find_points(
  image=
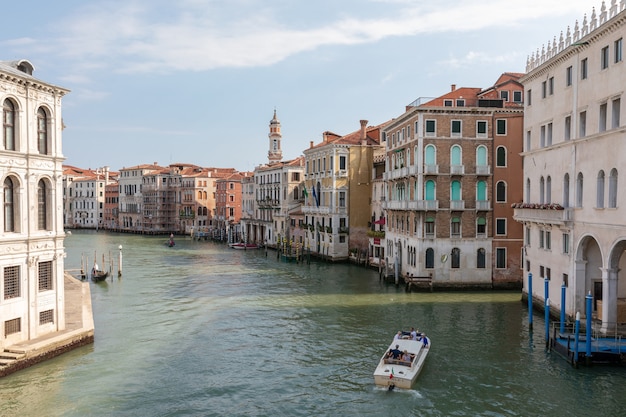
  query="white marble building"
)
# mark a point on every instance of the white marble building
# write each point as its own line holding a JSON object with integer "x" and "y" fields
{"x": 573, "y": 212}
{"x": 31, "y": 233}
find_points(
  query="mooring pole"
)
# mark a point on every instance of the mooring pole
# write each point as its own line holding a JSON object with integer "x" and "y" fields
{"x": 530, "y": 300}
{"x": 119, "y": 262}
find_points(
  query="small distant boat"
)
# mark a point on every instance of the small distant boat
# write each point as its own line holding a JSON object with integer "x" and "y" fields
{"x": 98, "y": 275}
{"x": 171, "y": 242}
{"x": 244, "y": 245}
{"x": 392, "y": 373}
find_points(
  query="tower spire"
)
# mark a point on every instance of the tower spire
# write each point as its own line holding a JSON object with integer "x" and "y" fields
{"x": 274, "y": 154}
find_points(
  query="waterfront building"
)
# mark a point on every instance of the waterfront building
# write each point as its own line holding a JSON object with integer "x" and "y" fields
{"x": 130, "y": 181}
{"x": 575, "y": 233}
{"x": 31, "y": 244}
{"x": 376, "y": 232}
{"x": 227, "y": 214}
{"x": 161, "y": 198}
{"x": 273, "y": 197}
{"x": 85, "y": 195}
{"x": 337, "y": 192}
{"x": 452, "y": 170}
{"x": 111, "y": 205}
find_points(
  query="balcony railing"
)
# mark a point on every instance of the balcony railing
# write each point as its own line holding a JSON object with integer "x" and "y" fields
{"x": 539, "y": 215}
{"x": 431, "y": 169}
{"x": 457, "y": 169}
{"x": 483, "y": 170}
{"x": 457, "y": 204}
{"x": 483, "y": 205}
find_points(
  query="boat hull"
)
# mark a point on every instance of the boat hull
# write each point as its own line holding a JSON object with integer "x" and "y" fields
{"x": 397, "y": 374}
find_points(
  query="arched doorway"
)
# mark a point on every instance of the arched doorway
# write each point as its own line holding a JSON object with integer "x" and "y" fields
{"x": 588, "y": 273}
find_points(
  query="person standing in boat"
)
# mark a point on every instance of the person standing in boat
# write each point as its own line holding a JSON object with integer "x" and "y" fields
{"x": 398, "y": 335}
{"x": 413, "y": 334}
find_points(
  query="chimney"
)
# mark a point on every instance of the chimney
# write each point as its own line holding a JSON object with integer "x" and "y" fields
{"x": 453, "y": 87}
{"x": 363, "y": 131}
{"x": 310, "y": 144}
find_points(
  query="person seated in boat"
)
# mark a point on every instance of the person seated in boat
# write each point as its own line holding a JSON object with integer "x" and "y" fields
{"x": 406, "y": 358}
{"x": 398, "y": 335}
{"x": 394, "y": 353}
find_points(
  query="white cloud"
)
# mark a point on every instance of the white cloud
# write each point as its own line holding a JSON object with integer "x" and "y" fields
{"x": 196, "y": 35}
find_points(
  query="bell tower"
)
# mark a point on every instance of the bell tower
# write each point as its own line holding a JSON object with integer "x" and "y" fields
{"x": 274, "y": 154}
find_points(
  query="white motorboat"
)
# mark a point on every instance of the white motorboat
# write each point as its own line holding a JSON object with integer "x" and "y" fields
{"x": 396, "y": 373}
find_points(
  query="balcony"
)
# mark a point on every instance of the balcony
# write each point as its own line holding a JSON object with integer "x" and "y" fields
{"x": 315, "y": 210}
{"x": 483, "y": 170}
{"x": 431, "y": 169}
{"x": 544, "y": 213}
{"x": 457, "y": 169}
{"x": 423, "y": 205}
{"x": 483, "y": 205}
{"x": 396, "y": 205}
{"x": 457, "y": 204}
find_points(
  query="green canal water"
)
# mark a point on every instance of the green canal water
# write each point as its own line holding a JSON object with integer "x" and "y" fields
{"x": 203, "y": 330}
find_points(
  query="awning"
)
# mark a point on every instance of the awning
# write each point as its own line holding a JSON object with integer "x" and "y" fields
{"x": 380, "y": 221}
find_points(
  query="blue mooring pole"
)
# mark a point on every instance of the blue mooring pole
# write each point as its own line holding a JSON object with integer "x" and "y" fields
{"x": 547, "y": 313}
{"x": 588, "y": 299}
{"x": 563, "y": 288}
{"x": 576, "y": 337}
{"x": 530, "y": 300}
{"x": 546, "y": 288}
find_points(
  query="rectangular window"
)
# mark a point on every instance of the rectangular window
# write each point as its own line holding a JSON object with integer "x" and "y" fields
{"x": 549, "y": 135}
{"x": 455, "y": 229}
{"x": 568, "y": 128}
{"x": 481, "y": 129}
{"x": 566, "y": 243}
{"x": 541, "y": 239}
{"x": 501, "y": 127}
{"x": 429, "y": 228}
{"x": 548, "y": 240}
{"x": 568, "y": 76}
{"x": 582, "y": 124}
{"x": 602, "y": 118}
{"x": 45, "y": 276}
{"x": 342, "y": 198}
{"x": 447, "y": 103}
{"x": 46, "y": 317}
{"x": 517, "y": 96}
{"x": 528, "y": 236}
{"x": 551, "y": 86}
{"x": 431, "y": 128}
{"x": 12, "y": 282}
{"x": 12, "y": 326}
{"x": 604, "y": 58}
{"x": 542, "y": 136}
{"x": 615, "y": 113}
{"x": 500, "y": 258}
{"x": 504, "y": 95}
{"x": 529, "y": 97}
{"x": 583, "y": 68}
{"x": 460, "y": 102}
{"x": 617, "y": 50}
{"x": 501, "y": 227}
{"x": 528, "y": 140}
{"x": 456, "y": 128}
{"x": 544, "y": 89}
{"x": 342, "y": 162}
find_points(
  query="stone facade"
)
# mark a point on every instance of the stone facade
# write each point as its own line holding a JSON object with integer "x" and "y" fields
{"x": 31, "y": 233}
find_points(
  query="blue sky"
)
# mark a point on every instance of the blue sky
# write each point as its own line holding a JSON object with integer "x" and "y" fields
{"x": 197, "y": 81}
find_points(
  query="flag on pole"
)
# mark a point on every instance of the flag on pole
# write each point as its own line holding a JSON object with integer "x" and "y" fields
{"x": 304, "y": 193}
{"x": 317, "y": 202}
{"x": 391, "y": 374}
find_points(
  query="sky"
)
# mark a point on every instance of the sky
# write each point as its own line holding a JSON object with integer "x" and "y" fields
{"x": 198, "y": 81}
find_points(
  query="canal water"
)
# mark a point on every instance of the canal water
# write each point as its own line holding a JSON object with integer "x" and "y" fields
{"x": 203, "y": 330}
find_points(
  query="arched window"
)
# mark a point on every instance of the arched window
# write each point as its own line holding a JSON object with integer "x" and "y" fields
{"x": 481, "y": 191}
{"x": 199, "y": 211}
{"x": 199, "y": 195}
{"x": 296, "y": 193}
{"x": 613, "y": 189}
{"x": 455, "y": 258}
{"x": 455, "y": 190}
{"x": 430, "y": 258}
{"x": 430, "y": 156}
{"x": 429, "y": 227}
{"x": 429, "y": 190}
{"x": 579, "y": 190}
{"x": 501, "y": 192}
{"x": 501, "y": 156}
{"x": 549, "y": 189}
{"x": 42, "y": 206}
{"x": 481, "y": 156}
{"x": 600, "y": 190}
{"x": 10, "y": 205}
{"x": 480, "y": 258}
{"x": 455, "y": 227}
{"x": 455, "y": 155}
{"x": 542, "y": 190}
{"x": 527, "y": 199}
{"x": 8, "y": 123}
{"x": 566, "y": 190}
{"x": 42, "y": 131}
